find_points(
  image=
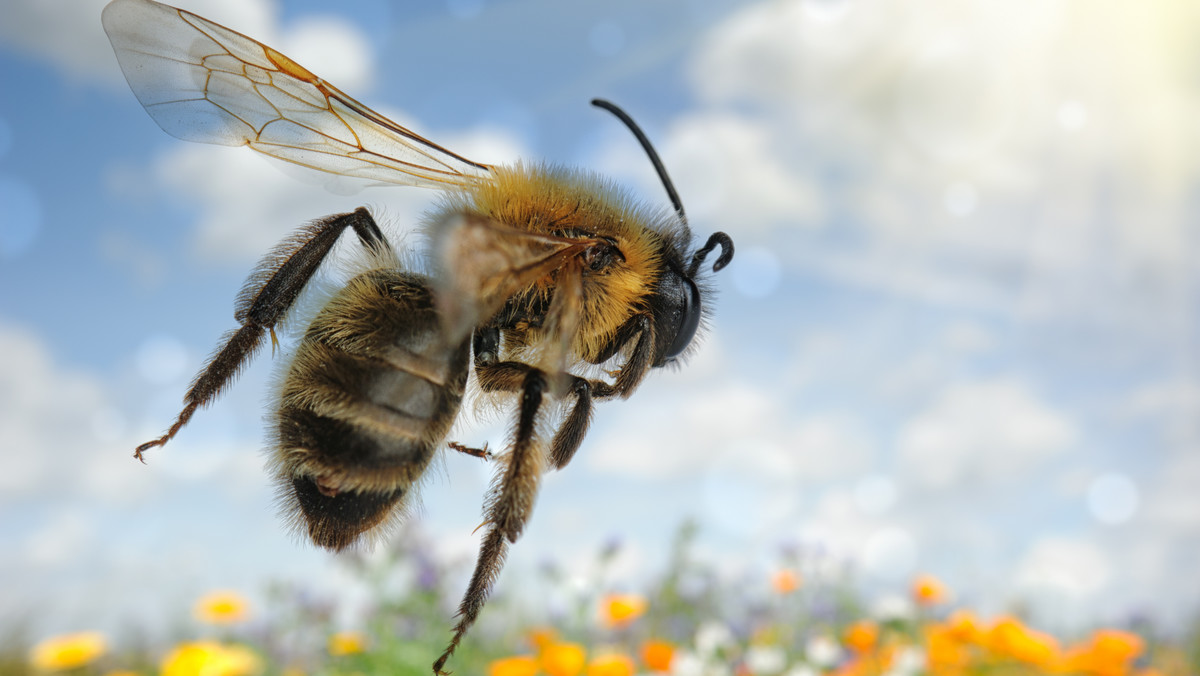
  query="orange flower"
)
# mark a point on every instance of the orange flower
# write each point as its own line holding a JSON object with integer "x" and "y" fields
{"x": 540, "y": 637}
{"x": 614, "y": 664}
{"x": 657, "y": 655}
{"x": 785, "y": 581}
{"x": 861, "y": 636}
{"x": 563, "y": 659}
{"x": 927, "y": 590}
{"x": 221, "y": 607}
{"x": 68, "y": 651}
{"x": 1108, "y": 653}
{"x": 1010, "y": 638}
{"x": 1117, "y": 645}
{"x": 519, "y": 665}
{"x": 944, "y": 652}
{"x": 620, "y": 610}
{"x": 964, "y": 626}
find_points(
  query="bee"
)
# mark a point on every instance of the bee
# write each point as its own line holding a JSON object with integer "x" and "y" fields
{"x": 547, "y": 287}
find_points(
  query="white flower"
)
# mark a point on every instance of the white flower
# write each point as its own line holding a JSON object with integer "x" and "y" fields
{"x": 711, "y": 637}
{"x": 765, "y": 659}
{"x": 908, "y": 661}
{"x": 892, "y": 607}
{"x": 801, "y": 670}
{"x": 822, "y": 651}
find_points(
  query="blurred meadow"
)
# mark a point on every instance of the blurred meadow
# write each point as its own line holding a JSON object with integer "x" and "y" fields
{"x": 802, "y": 620}
{"x": 944, "y": 418}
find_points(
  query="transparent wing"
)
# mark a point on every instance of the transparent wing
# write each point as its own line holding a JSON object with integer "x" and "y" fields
{"x": 480, "y": 264}
{"x": 201, "y": 81}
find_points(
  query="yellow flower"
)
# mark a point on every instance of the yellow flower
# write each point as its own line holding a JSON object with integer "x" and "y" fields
{"x": 927, "y": 590}
{"x": 68, "y": 651}
{"x": 520, "y": 665}
{"x": 657, "y": 655}
{"x": 563, "y": 659}
{"x": 209, "y": 658}
{"x": 620, "y": 610}
{"x": 221, "y": 607}
{"x": 1010, "y": 638}
{"x": 861, "y": 636}
{"x": 785, "y": 581}
{"x": 614, "y": 664}
{"x": 347, "y": 643}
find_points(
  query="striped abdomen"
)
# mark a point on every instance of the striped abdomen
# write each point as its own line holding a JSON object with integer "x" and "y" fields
{"x": 370, "y": 395}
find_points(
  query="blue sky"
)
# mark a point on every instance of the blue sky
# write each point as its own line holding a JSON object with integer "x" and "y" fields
{"x": 958, "y": 337}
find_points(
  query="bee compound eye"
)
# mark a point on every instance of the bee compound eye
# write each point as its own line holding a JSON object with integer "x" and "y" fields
{"x": 687, "y": 311}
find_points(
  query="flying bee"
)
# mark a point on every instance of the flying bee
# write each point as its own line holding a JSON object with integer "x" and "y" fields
{"x": 551, "y": 287}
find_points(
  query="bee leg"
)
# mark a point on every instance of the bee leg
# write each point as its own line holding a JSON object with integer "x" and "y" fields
{"x": 508, "y": 506}
{"x": 640, "y": 328}
{"x": 483, "y": 453}
{"x": 267, "y": 295}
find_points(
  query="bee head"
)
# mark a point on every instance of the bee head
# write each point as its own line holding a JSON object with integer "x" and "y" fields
{"x": 677, "y": 302}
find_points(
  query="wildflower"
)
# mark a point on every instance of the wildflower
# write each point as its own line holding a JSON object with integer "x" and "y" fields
{"x": 944, "y": 650}
{"x": 540, "y": 637}
{"x": 221, "y": 607}
{"x": 613, "y": 664}
{"x": 1108, "y": 653}
{"x": 519, "y": 665}
{"x": 785, "y": 581}
{"x": 861, "y": 636}
{"x": 657, "y": 655}
{"x": 711, "y": 637}
{"x": 563, "y": 659}
{"x": 1008, "y": 637}
{"x": 347, "y": 643}
{"x": 822, "y": 651}
{"x": 68, "y": 651}
{"x": 964, "y": 627}
{"x": 1114, "y": 645}
{"x": 765, "y": 659}
{"x": 209, "y": 658}
{"x": 620, "y": 610}
{"x": 927, "y": 590}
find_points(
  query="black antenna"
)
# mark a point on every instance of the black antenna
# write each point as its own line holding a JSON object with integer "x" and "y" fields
{"x": 641, "y": 137}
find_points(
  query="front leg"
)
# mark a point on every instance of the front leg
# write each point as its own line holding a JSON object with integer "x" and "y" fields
{"x": 638, "y": 329}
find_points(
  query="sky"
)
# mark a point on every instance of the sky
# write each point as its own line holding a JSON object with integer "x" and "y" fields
{"x": 958, "y": 336}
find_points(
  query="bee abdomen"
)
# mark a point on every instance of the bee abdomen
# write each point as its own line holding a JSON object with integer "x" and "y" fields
{"x": 370, "y": 395}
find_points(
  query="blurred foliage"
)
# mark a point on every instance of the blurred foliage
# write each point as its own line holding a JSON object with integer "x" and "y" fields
{"x": 803, "y": 619}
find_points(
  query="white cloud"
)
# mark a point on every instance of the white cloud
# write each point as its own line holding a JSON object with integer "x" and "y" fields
{"x": 1029, "y": 158}
{"x": 730, "y": 428}
{"x": 983, "y": 431}
{"x": 62, "y": 435}
{"x": 68, "y": 33}
{"x": 51, "y": 420}
{"x": 1075, "y": 567}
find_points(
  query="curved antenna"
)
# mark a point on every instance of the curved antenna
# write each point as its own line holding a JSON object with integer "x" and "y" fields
{"x": 641, "y": 137}
{"x": 717, "y": 238}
